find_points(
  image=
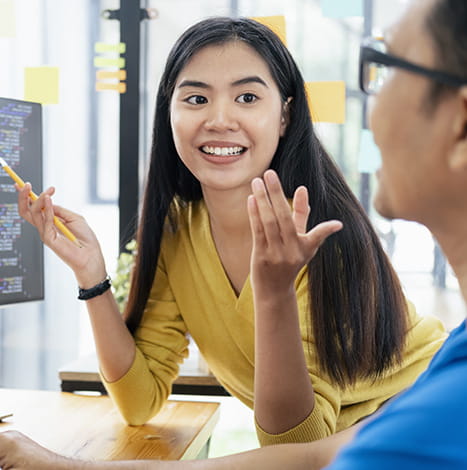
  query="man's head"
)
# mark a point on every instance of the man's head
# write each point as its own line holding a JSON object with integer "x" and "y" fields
{"x": 419, "y": 115}
{"x": 447, "y": 25}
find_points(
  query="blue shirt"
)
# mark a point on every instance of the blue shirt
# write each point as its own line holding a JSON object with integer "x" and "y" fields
{"x": 425, "y": 427}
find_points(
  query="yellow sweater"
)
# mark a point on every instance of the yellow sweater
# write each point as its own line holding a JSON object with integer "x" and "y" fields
{"x": 192, "y": 294}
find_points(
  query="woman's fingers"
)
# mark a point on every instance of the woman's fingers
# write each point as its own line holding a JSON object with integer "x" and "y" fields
{"x": 255, "y": 222}
{"x": 75, "y": 222}
{"x": 278, "y": 223}
{"x": 65, "y": 215}
{"x": 318, "y": 234}
{"x": 43, "y": 218}
{"x": 40, "y": 212}
{"x": 301, "y": 209}
{"x": 273, "y": 221}
{"x": 23, "y": 202}
{"x": 273, "y": 209}
{"x": 26, "y": 200}
{"x": 49, "y": 230}
{"x": 280, "y": 205}
{"x": 265, "y": 211}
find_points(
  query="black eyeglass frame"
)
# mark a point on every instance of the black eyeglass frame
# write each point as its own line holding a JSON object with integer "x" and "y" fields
{"x": 369, "y": 54}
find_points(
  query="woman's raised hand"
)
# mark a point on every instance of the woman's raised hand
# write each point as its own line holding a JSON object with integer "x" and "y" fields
{"x": 281, "y": 245}
{"x": 86, "y": 261}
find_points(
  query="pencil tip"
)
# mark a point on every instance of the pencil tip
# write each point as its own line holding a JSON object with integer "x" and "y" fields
{"x": 2, "y": 162}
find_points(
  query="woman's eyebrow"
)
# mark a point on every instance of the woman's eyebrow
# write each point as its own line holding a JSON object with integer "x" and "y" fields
{"x": 193, "y": 83}
{"x": 251, "y": 79}
{"x": 239, "y": 82}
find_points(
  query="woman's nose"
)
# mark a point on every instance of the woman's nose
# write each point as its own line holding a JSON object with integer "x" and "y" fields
{"x": 221, "y": 117}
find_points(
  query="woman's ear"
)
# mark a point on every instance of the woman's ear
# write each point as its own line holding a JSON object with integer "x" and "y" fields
{"x": 285, "y": 117}
{"x": 458, "y": 157}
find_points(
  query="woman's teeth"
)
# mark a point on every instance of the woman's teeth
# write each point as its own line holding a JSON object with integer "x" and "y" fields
{"x": 224, "y": 151}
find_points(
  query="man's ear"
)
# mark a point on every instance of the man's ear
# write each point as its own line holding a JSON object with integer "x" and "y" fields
{"x": 285, "y": 117}
{"x": 458, "y": 157}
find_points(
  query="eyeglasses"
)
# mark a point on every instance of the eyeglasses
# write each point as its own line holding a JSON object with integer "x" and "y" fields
{"x": 375, "y": 63}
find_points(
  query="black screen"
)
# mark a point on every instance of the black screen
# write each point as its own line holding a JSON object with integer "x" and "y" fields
{"x": 21, "y": 250}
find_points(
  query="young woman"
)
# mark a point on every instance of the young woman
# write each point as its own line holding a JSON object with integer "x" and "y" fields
{"x": 314, "y": 349}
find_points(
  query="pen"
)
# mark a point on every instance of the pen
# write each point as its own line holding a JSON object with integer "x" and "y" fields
{"x": 5, "y": 415}
{"x": 58, "y": 223}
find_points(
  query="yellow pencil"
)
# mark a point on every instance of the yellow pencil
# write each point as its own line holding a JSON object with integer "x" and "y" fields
{"x": 58, "y": 223}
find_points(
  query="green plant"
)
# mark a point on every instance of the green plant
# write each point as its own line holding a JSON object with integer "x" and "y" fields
{"x": 121, "y": 278}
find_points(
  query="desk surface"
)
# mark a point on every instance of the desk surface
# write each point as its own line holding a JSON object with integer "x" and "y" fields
{"x": 90, "y": 427}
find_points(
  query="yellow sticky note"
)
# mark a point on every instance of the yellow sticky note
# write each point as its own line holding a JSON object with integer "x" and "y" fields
{"x": 276, "y": 23}
{"x": 109, "y": 62}
{"x": 7, "y": 19}
{"x": 326, "y": 101}
{"x": 120, "y": 87}
{"x": 100, "y": 47}
{"x": 41, "y": 84}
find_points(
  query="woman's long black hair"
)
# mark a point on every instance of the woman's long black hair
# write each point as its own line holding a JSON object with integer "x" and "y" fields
{"x": 357, "y": 308}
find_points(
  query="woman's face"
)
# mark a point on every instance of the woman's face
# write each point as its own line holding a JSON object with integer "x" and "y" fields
{"x": 227, "y": 116}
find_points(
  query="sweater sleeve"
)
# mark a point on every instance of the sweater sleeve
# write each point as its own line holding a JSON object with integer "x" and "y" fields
{"x": 161, "y": 346}
{"x": 319, "y": 423}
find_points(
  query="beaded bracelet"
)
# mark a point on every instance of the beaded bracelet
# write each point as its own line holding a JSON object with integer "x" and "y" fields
{"x": 98, "y": 289}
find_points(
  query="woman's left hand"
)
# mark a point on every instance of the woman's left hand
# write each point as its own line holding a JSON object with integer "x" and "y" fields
{"x": 18, "y": 452}
{"x": 281, "y": 245}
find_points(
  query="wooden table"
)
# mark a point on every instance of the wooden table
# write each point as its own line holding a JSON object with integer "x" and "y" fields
{"x": 90, "y": 427}
{"x": 82, "y": 374}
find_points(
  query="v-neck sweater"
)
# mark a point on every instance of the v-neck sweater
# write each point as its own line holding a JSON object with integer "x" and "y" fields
{"x": 192, "y": 295}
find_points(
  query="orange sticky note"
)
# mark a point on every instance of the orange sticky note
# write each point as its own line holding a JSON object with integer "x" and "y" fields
{"x": 111, "y": 75}
{"x": 326, "y": 101}
{"x": 276, "y": 23}
{"x": 41, "y": 84}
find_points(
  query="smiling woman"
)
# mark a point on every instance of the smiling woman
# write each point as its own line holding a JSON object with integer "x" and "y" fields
{"x": 227, "y": 121}
{"x": 298, "y": 315}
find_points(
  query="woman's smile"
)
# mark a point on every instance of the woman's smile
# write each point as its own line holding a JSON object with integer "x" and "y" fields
{"x": 222, "y": 153}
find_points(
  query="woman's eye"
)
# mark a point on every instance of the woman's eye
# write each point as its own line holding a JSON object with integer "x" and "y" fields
{"x": 196, "y": 99}
{"x": 247, "y": 98}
